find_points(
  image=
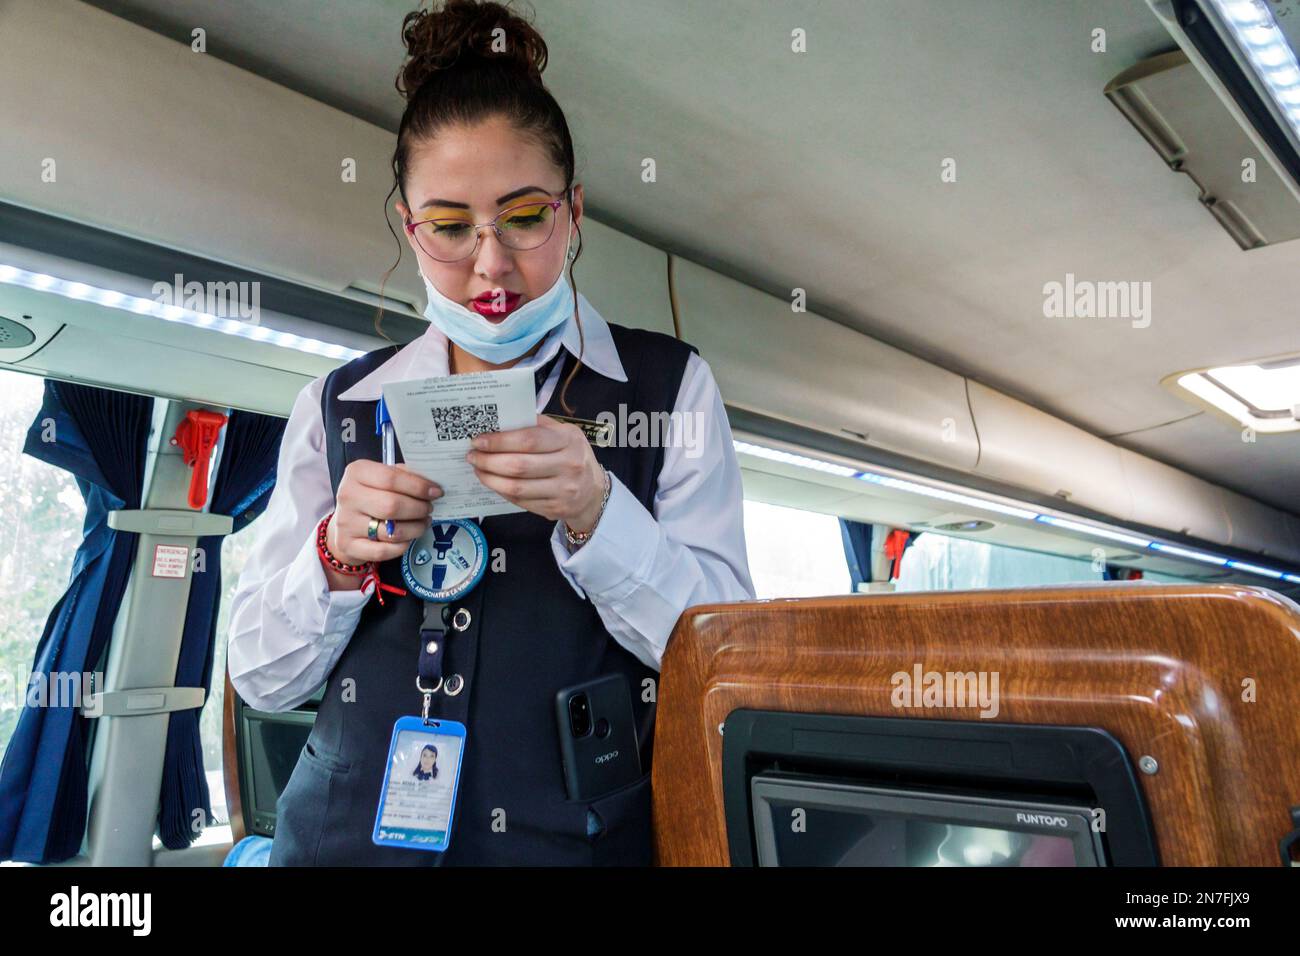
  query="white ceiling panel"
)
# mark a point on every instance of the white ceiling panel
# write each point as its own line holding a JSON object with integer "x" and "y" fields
{"x": 821, "y": 171}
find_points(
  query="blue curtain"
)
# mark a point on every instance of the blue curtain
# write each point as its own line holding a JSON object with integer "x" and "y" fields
{"x": 101, "y": 437}
{"x": 857, "y": 551}
{"x": 241, "y": 489}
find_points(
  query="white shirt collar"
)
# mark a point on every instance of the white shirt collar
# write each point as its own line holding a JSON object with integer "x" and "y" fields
{"x": 426, "y": 357}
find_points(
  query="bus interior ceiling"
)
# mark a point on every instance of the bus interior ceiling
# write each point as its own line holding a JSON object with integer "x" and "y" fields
{"x": 919, "y": 205}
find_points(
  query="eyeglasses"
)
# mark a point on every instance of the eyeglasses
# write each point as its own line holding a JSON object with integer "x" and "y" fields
{"x": 522, "y": 227}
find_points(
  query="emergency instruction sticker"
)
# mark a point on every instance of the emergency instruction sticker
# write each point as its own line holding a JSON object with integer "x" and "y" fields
{"x": 170, "y": 560}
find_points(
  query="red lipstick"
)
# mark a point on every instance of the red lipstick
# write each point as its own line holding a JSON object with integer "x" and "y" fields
{"x": 486, "y": 304}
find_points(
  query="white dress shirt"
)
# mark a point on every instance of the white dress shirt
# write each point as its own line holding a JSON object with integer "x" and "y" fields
{"x": 288, "y": 629}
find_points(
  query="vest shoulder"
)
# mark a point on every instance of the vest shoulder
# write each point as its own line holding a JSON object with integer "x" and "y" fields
{"x": 642, "y": 339}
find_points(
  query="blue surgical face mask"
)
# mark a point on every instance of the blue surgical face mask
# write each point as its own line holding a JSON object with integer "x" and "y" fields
{"x": 522, "y": 329}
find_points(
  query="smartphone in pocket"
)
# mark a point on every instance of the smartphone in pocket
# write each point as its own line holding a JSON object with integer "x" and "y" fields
{"x": 598, "y": 742}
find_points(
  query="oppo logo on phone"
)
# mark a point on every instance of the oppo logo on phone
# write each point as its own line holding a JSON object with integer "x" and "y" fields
{"x": 604, "y": 758}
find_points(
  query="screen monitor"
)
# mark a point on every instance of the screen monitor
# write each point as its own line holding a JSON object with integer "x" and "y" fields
{"x": 810, "y": 822}
{"x": 270, "y": 745}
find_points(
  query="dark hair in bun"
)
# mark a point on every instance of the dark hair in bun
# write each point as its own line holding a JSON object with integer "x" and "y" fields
{"x": 466, "y": 31}
{"x": 467, "y": 62}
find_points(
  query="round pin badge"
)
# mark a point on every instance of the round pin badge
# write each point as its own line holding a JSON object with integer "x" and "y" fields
{"x": 446, "y": 561}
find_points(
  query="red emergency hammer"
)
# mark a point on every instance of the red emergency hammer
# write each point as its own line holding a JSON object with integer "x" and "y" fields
{"x": 197, "y": 436}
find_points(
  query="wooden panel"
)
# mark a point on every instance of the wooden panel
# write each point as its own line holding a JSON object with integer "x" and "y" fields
{"x": 230, "y": 765}
{"x": 1161, "y": 667}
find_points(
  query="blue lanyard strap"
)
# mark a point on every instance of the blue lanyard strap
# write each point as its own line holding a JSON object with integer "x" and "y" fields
{"x": 433, "y": 644}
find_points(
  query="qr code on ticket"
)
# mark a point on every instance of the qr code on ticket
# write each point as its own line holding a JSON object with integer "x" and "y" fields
{"x": 458, "y": 422}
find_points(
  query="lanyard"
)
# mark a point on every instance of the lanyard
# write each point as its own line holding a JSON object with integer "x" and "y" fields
{"x": 433, "y": 643}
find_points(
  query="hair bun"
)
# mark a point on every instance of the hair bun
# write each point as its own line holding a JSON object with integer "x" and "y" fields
{"x": 462, "y": 32}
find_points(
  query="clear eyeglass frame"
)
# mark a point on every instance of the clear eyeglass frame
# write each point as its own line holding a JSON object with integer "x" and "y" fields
{"x": 494, "y": 222}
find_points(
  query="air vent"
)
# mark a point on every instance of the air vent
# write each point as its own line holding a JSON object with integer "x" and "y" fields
{"x": 14, "y": 335}
{"x": 969, "y": 527}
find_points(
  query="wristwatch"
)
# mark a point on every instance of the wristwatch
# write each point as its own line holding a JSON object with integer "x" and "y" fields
{"x": 577, "y": 539}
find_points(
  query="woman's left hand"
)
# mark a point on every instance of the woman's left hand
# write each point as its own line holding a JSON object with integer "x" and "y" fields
{"x": 548, "y": 469}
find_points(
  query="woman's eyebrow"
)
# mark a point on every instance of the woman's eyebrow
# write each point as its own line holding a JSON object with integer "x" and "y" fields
{"x": 501, "y": 200}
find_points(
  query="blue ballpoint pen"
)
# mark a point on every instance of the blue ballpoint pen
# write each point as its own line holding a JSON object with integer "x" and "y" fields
{"x": 384, "y": 429}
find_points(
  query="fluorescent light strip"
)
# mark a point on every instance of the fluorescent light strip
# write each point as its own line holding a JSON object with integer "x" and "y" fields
{"x": 108, "y": 298}
{"x": 968, "y": 500}
{"x": 1186, "y": 553}
{"x": 1261, "y": 39}
{"x": 789, "y": 458}
{"x": 1254, "y": 569}
{"x": 1096, "y": 532}
{"x": 929, "y": 491}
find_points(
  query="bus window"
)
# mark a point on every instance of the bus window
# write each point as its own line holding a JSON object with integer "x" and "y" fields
{"x": 794, "y": 553}
{"x": 234, "y": 552}
{"x": 41, "y": 517}
{"x": 935, "y": 562}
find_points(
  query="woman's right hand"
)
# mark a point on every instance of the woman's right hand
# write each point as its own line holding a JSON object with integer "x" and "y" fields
{"x": 371, "y": 489}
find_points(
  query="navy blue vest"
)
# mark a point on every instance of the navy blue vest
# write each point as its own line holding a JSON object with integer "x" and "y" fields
{"x": 529, "y": 635}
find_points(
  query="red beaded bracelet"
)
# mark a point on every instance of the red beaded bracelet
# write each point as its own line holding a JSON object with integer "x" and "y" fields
{"x": 329, "y": 559}
{"x": 368, "y": 569}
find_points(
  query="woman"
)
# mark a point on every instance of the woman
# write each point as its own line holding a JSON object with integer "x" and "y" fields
{"x": 614, "y": 542}
{"x": 427, "y": 768}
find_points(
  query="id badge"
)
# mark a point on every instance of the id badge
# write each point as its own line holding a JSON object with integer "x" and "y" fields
{"x": 418, "y": 799}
